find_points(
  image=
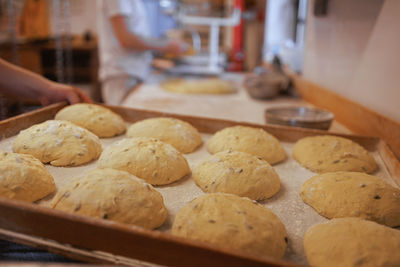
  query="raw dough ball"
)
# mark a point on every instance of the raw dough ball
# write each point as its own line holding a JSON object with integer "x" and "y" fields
{"x": 349, "y": 242}
{"x": 154, "y": 161}
{"x": 353, "y": 194}
{"x": 332, "y": 153}
{"x": 199, "y": 86}
{"x": 23, "y": 177}
{"x": 113, "y": 195}
{"x": 255, "y": 141}
{"x": 99, "y": 120}
{"x": 59, "y": 143}
{"x": 177, "y": 133}
{"x": 237, "y": 173}
{"x": 232, "y": 222}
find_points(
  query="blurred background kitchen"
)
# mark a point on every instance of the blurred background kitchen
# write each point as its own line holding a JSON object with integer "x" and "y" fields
{"x": 349, "y": 48}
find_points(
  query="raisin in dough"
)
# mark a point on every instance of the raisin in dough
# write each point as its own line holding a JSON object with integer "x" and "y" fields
{"x": 255, "y": 141}
{"x": 99, "y": 120}
{"x": 232, "y": 222}
{"x": 177, "y": 133}
{"x": 352, "y": 242}
{"x": 332, "y": 153}
{"x": 113, "y": 195}
{"x": 237, "y": 173}
{"x": 23, "y": 177}
{"x": 353, "y": 194}
{"x": 156, "y": 162}
{"x": 60, "y": 143}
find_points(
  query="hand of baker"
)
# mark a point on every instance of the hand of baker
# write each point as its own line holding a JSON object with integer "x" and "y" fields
{"x": 175, "y": 48}
{"x": 56, "y": 92}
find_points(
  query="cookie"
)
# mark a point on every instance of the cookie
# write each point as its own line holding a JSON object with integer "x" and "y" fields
{"x": 254, "y": 141}
{"x": 232, "y": 222}
{"x": 237, "y": 173}
{"x": 353, "y": 194}
{"x": 177, "y": 133}
{"x": 113, "y": 195}
{"x": 59, "y": 143}
{"x": 352, "y": 242}
{"x": 99, "y": 120}
{"x": 156, "y": 162}
{"x": 332, "y": 153}
{"x": 23, "y": 177}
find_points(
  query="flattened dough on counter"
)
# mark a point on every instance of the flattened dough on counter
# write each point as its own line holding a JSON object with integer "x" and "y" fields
{"x": 60, "y": 143}
{"x": 353, "y": 194}
{"x": 177, "y": 133}
{"x": 199, "y": 86}
{"x": 255, "y": 141}
{"x": 328, "y": 153}
{"x": 99, "y": 120}
{"x": 237, "y": 173}
{"x": 23, "y": 177}
{"x": 113, "y": 195}
{"x": 352, "y": 242}
{"x": 150, "y": 159}
{"x": 232, "y": 222}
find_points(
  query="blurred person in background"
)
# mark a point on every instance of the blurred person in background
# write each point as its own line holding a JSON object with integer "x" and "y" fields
{"x": 125, "y": 47}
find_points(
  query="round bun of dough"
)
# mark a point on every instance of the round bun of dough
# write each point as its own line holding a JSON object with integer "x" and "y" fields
{"x": 99, "y": 120}
{"x": 199, "y": 86}
{"x": 255, "y": 141}
{"x": 23, "y": 177}
{"x": 113, "y": 195}
{"x": 353, "y": 194}
{"x": 332, "y": 153}
{"x": 59, "y": 143}
{"x": 177, "y": 133}
{"x": 352, "y": 242}
{"x": 156, "y": 162}
{"x": 232, "y": 222}
{"x": 237, "y": 173}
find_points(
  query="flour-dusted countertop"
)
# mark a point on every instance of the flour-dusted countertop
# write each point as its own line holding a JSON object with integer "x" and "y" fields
{"x": 237, "y": 107}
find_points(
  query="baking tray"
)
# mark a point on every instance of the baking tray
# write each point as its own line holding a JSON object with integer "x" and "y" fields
{"x": 102, "y": 241}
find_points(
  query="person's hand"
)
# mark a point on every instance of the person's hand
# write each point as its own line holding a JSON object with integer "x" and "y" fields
{"x": 175, "y": 48}
{"x": 57, "y": 92}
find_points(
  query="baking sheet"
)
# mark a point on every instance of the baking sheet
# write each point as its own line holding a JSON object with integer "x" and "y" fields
{"x": 286, "y": 204}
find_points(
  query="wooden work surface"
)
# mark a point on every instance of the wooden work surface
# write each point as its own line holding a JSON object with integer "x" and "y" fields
{"x": 236, "y": 107}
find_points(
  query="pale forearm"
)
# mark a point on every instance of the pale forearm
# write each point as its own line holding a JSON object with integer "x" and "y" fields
{"x": 18, "y": 81}
{"x": 139, "y": 43}
{"x": 23, "y": 83}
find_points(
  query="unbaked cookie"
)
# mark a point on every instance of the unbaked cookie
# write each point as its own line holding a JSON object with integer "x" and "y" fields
{"x": 353, "y": 194}
{"x": 199, "y": 86}
{"x": 23, "y": 177}
{"x": 150, "y": 159}
{"x": 237, "y": 173}
{"x": 177, "y": 133}
{"x": 255, "y": 141}
{"x": 99, "y": 120}
{"x": 332, "y": 153}
{"x": 59, "y": 143}
{"x": 232, "y": 222}
{"x": 113, "y": 195}
{"x": 352, "y": 242}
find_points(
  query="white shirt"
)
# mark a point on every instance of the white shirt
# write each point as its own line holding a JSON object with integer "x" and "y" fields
{"x": 116, "y": 61}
